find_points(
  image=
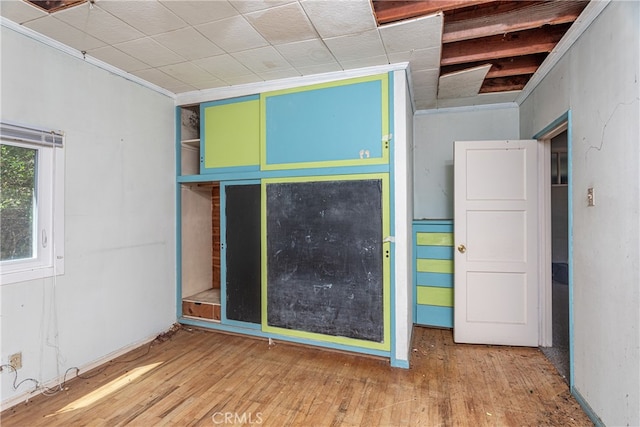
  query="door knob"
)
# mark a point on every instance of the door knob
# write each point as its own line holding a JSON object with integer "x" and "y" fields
{"x": 462, "y": 248}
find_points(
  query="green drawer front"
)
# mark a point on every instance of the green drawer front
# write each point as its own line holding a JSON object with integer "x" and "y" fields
{"x": 428, "y": 295}
{"x": 434, "y": 239}
{"x": 434, "y": 265}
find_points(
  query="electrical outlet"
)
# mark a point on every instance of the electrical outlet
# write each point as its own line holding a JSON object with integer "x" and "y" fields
{"x": 15, "y": 360}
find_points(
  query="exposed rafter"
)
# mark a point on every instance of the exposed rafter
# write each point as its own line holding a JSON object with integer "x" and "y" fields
{"x": 502, "y": 46}
{"x": 391, "y": 11}
{"x": 514, "y": 37}
{"x": 527, "y": 16}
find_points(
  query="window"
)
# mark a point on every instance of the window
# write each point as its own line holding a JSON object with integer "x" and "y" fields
{"x": 31, "y": 203}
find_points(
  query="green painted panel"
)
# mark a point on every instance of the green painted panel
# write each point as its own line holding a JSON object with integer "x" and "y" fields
{"x": 435, "y": 265}
{"x": 434, "y": 239}
{"x": 429, "y": 295}
{"x": 232, "y": 134}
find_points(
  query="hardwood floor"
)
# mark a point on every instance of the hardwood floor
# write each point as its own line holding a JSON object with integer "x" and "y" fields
{"x": 207, "y": 378}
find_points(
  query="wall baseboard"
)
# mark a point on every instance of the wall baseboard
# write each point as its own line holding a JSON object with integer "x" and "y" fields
{"x": 27, "y": 395}
{"x": 587, "y": 408}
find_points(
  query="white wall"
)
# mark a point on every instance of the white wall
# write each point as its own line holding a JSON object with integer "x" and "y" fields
{"x": 598, "y": 81}
{"x": 119, "y": 283}
{"x": 434, "y": 133}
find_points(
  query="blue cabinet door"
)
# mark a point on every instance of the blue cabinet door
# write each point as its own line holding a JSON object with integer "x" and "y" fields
{"x": 337, "y": 124}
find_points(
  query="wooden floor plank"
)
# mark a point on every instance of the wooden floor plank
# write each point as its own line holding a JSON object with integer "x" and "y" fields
{"x": 206, "y": 378}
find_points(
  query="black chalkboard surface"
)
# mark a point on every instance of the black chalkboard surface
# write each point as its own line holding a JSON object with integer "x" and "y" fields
{"x": 243, "y": 272}
{"x": 324, "y": 257}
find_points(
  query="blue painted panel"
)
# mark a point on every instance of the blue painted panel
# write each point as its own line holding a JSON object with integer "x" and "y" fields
{"x": 434, "y": 252}
{"x": 433, "y": 226}
{"x": 326, "y": 124}
{"x": 431, "y": 315}
{"x": 440, "y": 280}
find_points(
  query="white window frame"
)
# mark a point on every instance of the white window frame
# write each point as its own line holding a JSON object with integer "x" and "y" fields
{"x": 49, "y": 210}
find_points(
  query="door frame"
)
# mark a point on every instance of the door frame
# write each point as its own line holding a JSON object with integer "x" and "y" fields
{"x": 556, "y": 127}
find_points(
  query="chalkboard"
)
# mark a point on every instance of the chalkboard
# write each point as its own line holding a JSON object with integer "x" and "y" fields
{"x": 324, "y": 257}
{"x": 243, "y": 272}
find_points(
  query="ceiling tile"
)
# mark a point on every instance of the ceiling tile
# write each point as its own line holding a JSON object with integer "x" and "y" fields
{"x": 150, "y": 17}
{"x": 248, "y": 6}
{"x": 199, "y": 12}
{"x": 150, "y": 52}
{"x": 306, "y": 53}
{"x": 262, "y": 60}
{"x": 280, "y": 74}
{"x": 356, "y": 46}
{"x": 19, "y": 11}
{"x": 99, "y": 24}
{"x": 420, "y": 33}
{"x": 269, "y": 23}
{"x": 241, "y": 80}
{"x": 320, "y": 68}
{"x": 223, "y": 67}
{"x": 189, "y": 43}
{"x": 232, "y": 34}
{"x": 425, "y": 77}
{"x": 462, "y": 84}
{"x": 420, "y": 59}
{"x": 64, "y": 33}
{"x": 337, "y": 18}
{"x": 365, "y": 62}
{"x": 209, "y": 84}
{"x": 187, "y": 72}
{"x": 161, "y": 79}
{"x": 117, "y": 58}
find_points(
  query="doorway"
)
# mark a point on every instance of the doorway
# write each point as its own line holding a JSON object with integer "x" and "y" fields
{"x": 556, "y": 251}
{"x": 558, "y": 352}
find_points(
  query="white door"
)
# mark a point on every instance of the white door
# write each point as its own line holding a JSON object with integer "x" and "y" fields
{"x": 496, "y": 242}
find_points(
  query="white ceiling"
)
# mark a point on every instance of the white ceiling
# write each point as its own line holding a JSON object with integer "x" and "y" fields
{"x": 184, "y": 46}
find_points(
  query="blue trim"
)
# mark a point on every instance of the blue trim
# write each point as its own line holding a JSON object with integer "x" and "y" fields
{"x": 554, "y": 124}
{"x": 439, "y": 280}
{"x": 228, "y": 170}
{"x": 240, "y": 324}
{"x": 257, "y": 174}
{"x": 433, "y": 315}
{"x": 230, "y": 101}
{"x": 434, "y": 252}
{"x": 397, "y": 363}
{"x": 258, "y": 333}
{"x": 434, "y": 225}
{"x": 595, "y": 419}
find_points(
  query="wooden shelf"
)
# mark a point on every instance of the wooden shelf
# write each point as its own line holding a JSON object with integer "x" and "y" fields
{"x": 210, "y": 296}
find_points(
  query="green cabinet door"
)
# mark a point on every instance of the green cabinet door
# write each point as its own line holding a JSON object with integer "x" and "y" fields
{"x": 231, "y": 130}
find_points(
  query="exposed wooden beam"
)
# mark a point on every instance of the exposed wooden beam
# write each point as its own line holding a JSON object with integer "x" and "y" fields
{"x": 486, "y": 9}
{"x": 528, "y": 16}
{"x": 514, "y": 44}
{"x": 504, "y": 84}
{"x": 391, "y": 11}
{"x": 503, "y": 67}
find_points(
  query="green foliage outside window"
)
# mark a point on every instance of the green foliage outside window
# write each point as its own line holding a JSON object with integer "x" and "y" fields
{"x": 17, "y": 201}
